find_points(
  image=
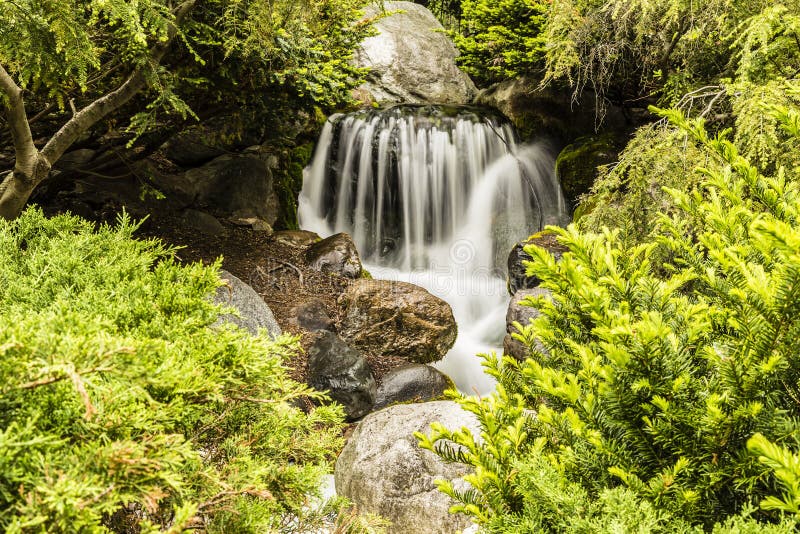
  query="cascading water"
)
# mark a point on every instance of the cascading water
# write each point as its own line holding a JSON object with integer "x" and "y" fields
{"x": 435, "y": 196}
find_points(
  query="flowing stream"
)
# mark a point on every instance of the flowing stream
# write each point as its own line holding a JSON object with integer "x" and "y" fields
{"x": 436, "y": 196}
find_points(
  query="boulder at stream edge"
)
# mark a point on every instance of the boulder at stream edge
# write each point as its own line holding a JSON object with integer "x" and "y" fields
{"x": 383, "y": 470}
{"x": 411, "y": 60}
{"x": 397, "y": 319}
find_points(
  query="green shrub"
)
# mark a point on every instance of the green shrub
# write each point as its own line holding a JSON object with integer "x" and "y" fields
{"x": 122, "y": 408}
{"x": 500, "y": 39}
{"x": 667, "y": 398}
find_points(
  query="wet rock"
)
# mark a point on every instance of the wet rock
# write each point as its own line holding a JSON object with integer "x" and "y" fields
{"x": 383, "y": 470}
{"x": 517, "y": 277}
{"x": 411, "y": 59}
{"x": 411, "y": 383}
{"x": 312, "y": 315}
{"x": 522, "y": 314}
{"x": 203, "y": 222}
{"x": 295, "y": 238}
{"x": 254, "y": 314}
{"x": 336, "y": 254}
{"x": 340, "y": 369}
{"x": 397, "y": 319}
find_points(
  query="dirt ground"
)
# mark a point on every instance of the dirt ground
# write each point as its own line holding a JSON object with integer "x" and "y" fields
{"x": 274, "y": 269}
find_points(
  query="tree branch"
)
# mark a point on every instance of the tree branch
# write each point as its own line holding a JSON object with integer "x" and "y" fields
{"x": 25, "y": 150}
{"x": 103, "y": 106}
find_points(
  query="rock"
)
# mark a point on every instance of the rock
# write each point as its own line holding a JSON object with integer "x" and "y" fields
{"x": 75, "y": 158}
{"x": 523, "y": 315}
{"x": 312, "y": 315}
{"x": 203, "y": 222}
{"x": 254, "y": 314}
{"x": 411, "y": 59}
{"x": 411, "y": 383}
{"x": 336, "y": 254}
{"x": 517, "y": 279}
{"x": 576, "y": 165}
{"x": 295, "y": 238}
{"x": 397, "y": 319}
{"x": 548, "y": 112}
{"x": 338, "y": 368}
{"x": 188, "y": 149}
{"x": 383, "y": 470}
{"x": 241, "y": 186}
{"x": 200, "y": 143}
{"x": 255, "y": 224}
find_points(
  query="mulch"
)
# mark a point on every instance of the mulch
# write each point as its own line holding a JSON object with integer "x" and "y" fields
{"x": 274, "y": 269}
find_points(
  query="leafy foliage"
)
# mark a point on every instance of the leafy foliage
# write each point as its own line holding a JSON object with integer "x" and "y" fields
{"x": 629, "y": 49}
{"x": 228, "y": 53}
{"x": 124, "y": 405}
{"x": 763, "y": 59}
{"x": 664, "y": 358}
{"x": 500, "y": 39}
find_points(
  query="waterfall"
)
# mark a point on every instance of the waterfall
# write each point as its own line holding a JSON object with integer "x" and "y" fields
{"x": 436, "y": 196}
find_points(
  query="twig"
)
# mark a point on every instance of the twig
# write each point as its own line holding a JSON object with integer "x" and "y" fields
{"x": 283, "y": 263}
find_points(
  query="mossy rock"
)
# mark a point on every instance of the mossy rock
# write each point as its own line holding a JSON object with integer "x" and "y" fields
{"x": 289, "y": 182}
{"x": 576, "y": 165}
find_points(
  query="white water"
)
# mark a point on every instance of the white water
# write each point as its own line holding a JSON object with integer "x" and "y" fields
{"x": 437, "y": 199}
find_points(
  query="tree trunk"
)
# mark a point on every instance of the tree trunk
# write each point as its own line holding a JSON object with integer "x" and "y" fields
{"x": 16, "y": 188}
{"x": 32, "y": 165}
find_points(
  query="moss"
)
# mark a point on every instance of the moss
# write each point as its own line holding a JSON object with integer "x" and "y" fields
{"x": 366, "y": 275}
{"x": 576, "y": 165}
{"x": 289, "y": 182}
{"x": 584, "y": 209}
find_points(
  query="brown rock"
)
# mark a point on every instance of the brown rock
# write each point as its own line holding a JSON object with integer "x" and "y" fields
{"x": 336, "y": 254}
{"x": 397, "y": 319}
{"x": 295, "y": 238}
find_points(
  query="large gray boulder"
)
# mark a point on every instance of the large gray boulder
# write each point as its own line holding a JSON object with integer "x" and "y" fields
{"x": 383, "y": 470}
{"x": 518, "y": 312}
{"x": 411, "y": 383}
{"x": 411, "y": 59}
{"x": 335, "y": 367}
{"x": 336, "y": 254}
{"x": 254, "y": 314}
{"x": 397, "y": 319}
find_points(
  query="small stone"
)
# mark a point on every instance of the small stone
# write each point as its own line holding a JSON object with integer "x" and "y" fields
{"x": 312, "y": 315}
{"x": 203, "y": 222}
{"x": 295, "y": 238}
